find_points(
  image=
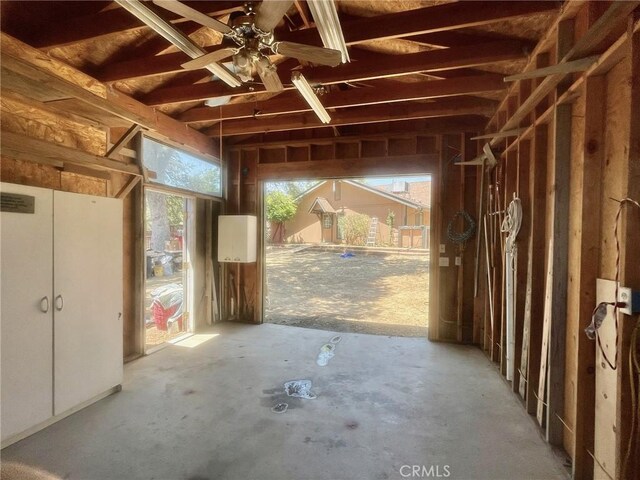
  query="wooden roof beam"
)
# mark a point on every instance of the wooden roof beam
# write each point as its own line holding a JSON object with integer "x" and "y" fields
{"x": 67, "y": 82}
{"x": 439, "y": 18}
{"x": 386, "y": 66}
{"x": 430, "y": 20}
{"x": 78, "y": 29}
{"x": 292, "y": 102}
{"x": 371, "y": 114}
{"x": 615, "y": 15}
{"x": 22, "y": 147}
{"x": 398, "y": 129}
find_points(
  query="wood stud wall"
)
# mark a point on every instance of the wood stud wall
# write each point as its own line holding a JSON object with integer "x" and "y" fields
{"x": 578, "y": 148}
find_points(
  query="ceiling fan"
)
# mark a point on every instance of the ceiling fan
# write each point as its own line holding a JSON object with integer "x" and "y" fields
{"x": 252, "y": 34}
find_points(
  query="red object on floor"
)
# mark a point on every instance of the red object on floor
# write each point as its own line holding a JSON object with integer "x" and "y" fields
{"x": 161, "y": 316}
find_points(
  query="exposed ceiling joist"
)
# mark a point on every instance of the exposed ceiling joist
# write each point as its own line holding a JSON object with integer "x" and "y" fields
{"x": 615, "y": 15}
{"x": 385, "y": 66}
{"x": 370, "y": 114}
{"x": 78, "y": 29}
{"x": 370, "y": 131}
{"x": 449, "y": 16}
{"x": 291, "y": 102}
{"x": 437, "y": 21}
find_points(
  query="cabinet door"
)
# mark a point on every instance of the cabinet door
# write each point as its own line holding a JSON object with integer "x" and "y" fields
{"x": 227, "y": 237}
{"x": 87, "y": 297}
{"x": 27, "y": 328}
{"x": 237, "y": 238}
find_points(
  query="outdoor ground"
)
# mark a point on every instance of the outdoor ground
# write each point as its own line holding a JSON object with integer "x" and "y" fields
{"x": 154, "y": 336}
{"x": 382, "y": 293}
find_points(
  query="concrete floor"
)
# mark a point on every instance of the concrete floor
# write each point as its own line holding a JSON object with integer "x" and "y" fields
{"x": 384, "y": 404}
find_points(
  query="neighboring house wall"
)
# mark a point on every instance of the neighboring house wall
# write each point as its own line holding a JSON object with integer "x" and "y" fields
{"x": 305, "y": 227}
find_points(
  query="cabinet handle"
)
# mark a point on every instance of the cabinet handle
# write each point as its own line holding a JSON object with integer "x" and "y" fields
{"x": 44, "y": 305}
{"x": 59, "y": 303}
{"x": 237, "y": 259}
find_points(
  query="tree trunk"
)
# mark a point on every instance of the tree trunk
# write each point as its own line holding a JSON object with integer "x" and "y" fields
{"x": 160, "y": 233}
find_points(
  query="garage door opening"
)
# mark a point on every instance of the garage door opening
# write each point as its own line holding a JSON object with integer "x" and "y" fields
{"x": 349, "y": 255}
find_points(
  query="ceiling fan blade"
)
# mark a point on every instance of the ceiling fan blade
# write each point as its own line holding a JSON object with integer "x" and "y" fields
{"x": 270, "y": 12}
{"x": 269, "y": 75}
{"x": 208, "y": 59}
{"x": 309, "y": 53}
{"x": 192, "y": 14}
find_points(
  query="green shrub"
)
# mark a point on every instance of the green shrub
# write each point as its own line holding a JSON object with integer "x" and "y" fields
{"x": 355, "y": 227}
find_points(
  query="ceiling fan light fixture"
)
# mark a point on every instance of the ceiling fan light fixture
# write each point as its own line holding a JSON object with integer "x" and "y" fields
{"x": 326, "y": 19}
{"x": 310, "y": 96}
{"x": 177, "y": 38}
{"x": 268, "y": 74}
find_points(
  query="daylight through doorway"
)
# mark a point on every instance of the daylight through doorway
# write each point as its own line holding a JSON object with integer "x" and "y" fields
{"x": 166, "y": 283}
{"x": 349, "y": 254}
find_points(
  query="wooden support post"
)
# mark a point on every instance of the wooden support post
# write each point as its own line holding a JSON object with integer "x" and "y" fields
{"x": 562, "y": 176}
{"x": 436, "y": 222}
{"x": 533, "y": 320}
{"x": 630, "y": 274}
{"x": 585, "y": 230}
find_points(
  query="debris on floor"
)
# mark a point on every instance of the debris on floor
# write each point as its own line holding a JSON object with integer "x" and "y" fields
{"x": 280, "y": 408}
{"x": 299, "y": 389}
{"x": 327, "y": 352}
{"x": 347, "y": 255}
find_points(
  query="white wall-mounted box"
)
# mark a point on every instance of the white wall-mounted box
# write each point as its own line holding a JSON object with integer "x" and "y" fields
{"x": 237, "y": 238}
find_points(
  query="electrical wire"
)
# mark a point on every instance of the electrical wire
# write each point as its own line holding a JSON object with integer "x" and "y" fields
{"x": 634, "y": 361}
{"x": 634, "y": 370}
{"x": 592, "y": 329}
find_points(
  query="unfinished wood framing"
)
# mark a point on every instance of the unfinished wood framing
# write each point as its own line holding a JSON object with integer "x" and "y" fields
{"x": 536, "y": 100}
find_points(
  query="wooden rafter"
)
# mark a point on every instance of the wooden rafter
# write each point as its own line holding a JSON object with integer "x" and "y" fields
{"x": 78, "y": 29}
{"x": 384, "y": 66}
{"x": 292, "y": 102}
{"x": 22, "y": 147}
{"x": 438, "y": 20}
{"x": 615, "y": 15}
{"x": 371, "y": 114}
{"x": 66, "y": 82}
{"x": 397, "y": 129}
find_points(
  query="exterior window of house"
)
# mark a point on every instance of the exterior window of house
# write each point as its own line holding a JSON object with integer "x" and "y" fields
{"x": 418, "y": 218}
{"x": 337, "y": 190}
{"x": 327, "y": 220}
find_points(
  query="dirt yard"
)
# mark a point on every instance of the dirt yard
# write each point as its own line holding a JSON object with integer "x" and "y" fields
{"x": 369, "y": 293}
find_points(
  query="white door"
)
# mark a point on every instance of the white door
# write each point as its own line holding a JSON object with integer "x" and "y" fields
{"x": 26, "y": 312}
{"x": 87, "y": 297}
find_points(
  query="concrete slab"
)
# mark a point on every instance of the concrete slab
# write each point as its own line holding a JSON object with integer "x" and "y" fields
{"x": 383, "y": 406}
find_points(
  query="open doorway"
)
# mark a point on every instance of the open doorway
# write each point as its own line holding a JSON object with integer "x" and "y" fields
{"x": 167, "y": 274}
{"x": 349, "y": 254}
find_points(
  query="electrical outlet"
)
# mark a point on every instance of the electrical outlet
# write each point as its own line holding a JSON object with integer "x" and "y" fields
{"x": 631, "y": 299}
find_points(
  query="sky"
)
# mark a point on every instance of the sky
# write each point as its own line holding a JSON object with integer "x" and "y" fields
{"x": 375, "y": 181}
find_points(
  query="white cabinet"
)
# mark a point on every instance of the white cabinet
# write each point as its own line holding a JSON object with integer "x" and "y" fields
{"x": 237, "y": 238}
{"x": 26, "y": 312}
{"x": 61, "y": 302}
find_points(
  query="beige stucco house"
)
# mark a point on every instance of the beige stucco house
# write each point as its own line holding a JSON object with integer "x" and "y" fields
{"x": 319, "y": 208}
